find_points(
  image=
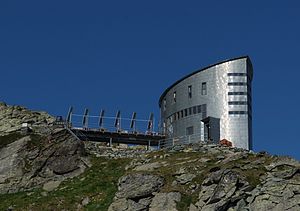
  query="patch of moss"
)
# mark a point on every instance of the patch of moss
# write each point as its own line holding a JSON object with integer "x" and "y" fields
{"x": 188, "y": 161}
{"x": 36, "y": 141}
{"x": 185, "y": 202}
{"x": 252, "y": 175}
{"x": 10, "y": 138}
{"x": 99, "y": 183}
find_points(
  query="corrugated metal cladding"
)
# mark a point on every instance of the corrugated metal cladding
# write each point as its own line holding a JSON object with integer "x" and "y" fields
{"x": 217, "y": 97}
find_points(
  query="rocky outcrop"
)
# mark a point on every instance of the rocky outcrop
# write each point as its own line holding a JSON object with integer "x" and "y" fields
{"x": 12, "y": 117}
{"x": 280, "y": 189}
{"x": 44, "y": 155}
{"x": 185, "y": 178}
{"x": 11, "y": 164}
{"x": 221, "y": 178}
{"x": 165, "y": 201}
{"x": 34, "y": 160}
{"x": 221, "y": 189}
{"x": 135, "y": 191}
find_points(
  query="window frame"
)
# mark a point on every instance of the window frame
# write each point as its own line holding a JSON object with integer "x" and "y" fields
{"x": 174, "y": 97}
{"x": 189, "y": 130}
{"x": 190, "y": 94}
{"x": 204, "y": 88}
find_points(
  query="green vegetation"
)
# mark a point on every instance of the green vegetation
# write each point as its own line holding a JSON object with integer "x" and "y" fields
{"x": 99, "y": 183}
{"x": 185, "y": 202}
{"x": 190, "y": 162}
{"x": 5, "y": 140}
{"x": 36, "y": 141}
{"x": 252, "y": 175}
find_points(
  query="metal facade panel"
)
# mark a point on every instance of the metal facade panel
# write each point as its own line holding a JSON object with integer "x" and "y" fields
{"x": 236, "y": 128}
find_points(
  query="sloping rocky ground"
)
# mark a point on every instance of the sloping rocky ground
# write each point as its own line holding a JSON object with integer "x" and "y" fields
{"x": 45, "y": 156}
{"x": 12, "y": 117}
{"x": 34, "y": 160}
{"x": 209, "y": 177}
{"x": 49, "y": 169}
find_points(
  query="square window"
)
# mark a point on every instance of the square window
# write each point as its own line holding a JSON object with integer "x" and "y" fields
{"x": 190, "y": 130}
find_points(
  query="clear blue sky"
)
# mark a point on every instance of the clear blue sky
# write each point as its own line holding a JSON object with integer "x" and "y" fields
{"x": 123, "y": 54}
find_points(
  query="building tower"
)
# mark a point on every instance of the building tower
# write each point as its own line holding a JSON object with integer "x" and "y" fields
{"x": 213, "y": 103}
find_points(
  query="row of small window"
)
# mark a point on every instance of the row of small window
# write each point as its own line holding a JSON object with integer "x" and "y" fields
{"x": 237, "y": 112}
{"x": 240, "y": 84}
{"x": 237, "y": 93}
{"x": 190, "y": 94}
{"x": 241, "y": 113}
{"x": 203, "y": 90}
{"x": 237, "y": 84}
{"x": 237, "y": 103}
{"x": 237, "y": 74}
{"x": 187, "y": 112}
{"x": 240, "y": 103}
{"x": 241, "y": 93}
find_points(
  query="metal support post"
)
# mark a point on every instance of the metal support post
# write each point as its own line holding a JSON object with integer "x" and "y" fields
{"x": 110, "y": 142}
{"x": 69, "y": 117}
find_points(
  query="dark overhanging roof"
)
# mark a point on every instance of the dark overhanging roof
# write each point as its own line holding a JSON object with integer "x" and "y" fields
{"x": 197, "y": 71}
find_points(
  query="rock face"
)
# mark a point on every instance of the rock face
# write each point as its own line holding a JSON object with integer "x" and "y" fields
{"x": 221, "y": 178}
{"x": 281, "y": 188}
{"x": 30, "y": 162}
{"x": 135, "y": 191}
{"x": 221, "y": 189}
{"x": 185, "y": 178}
{"x": 165, "y": 201}
{"x": 46, "y": 154}
{"x": 138, "y": 185}
{"x": 11, "y": 165}
{"x": 12, "y": 117}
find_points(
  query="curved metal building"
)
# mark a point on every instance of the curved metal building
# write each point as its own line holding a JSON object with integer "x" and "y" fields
{"x": 214, "y": 103}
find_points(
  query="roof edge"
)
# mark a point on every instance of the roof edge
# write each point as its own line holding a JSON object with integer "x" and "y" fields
{"x": 197, "y": 71}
